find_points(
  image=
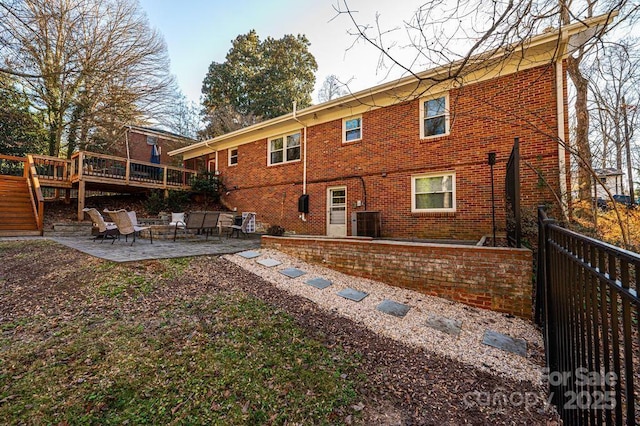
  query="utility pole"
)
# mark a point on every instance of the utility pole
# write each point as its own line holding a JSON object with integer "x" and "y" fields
{"x": 628, "y": 142}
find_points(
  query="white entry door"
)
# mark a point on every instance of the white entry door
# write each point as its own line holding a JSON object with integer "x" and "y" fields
{"x": 337, "y": 212}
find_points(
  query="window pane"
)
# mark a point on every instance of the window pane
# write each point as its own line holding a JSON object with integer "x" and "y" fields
{"x": 430, "y": 201}
{"x": 352, "y": 124}
{"x": 293, "y": 153}
{"x": 434, "y": 126}
{"x": 276, "y": 157}
{"x": 434, "y": 192}
{"x": 429, "y": 184}
{"x": 352, "y": 135}
{"x": 276, "y": 144}
{"x": 293, "y": 140}
{"x": 434, "y": 107}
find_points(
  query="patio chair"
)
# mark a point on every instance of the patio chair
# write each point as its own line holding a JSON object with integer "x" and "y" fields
{"x": 237, "y": 229}
{"x": 210, "y": 223}
{"x": 125, "y": 225}
{"x": 224, "y": 222}
{"x": 134, "y": 218}
{"x": 194, "y": 220}
{"x": 105, "y": 229}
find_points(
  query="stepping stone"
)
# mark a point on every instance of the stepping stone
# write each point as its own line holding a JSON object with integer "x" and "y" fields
{"x": 292, "y": 272}
{"x": 269, "y": 262}
{"x": 504, "y": 342}
{"x": 249, "y": 254}
{"x": 393, "y": 308}
{"x": 351, "y": 294}
{"x": 320, "y": 283}
{"x": 444, "y": 324}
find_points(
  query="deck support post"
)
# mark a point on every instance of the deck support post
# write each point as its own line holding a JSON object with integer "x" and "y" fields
{"x": 81, "y": 184}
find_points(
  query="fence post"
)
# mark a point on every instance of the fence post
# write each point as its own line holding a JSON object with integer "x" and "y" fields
{"x": 540, "y": 270}
{"x": 545, "y": 312}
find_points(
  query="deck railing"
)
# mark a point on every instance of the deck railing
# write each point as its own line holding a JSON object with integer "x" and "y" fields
{"x": 52, "y": 168}
{"x": 111, "y": 169}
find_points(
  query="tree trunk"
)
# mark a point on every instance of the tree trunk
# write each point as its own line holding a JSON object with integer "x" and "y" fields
{"x": 582, "y": 128}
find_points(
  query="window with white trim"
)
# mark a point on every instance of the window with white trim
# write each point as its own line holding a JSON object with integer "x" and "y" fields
{"x": 433, "y": 193}
{"x": 284, "y": 149}
{"x": 434, "y": 116}
{"x": 352, "y": 129}
{"x": 233, "y": 156}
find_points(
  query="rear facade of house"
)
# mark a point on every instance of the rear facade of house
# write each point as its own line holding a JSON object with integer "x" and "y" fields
{"x": 425, "y": 171}
{"x": 414, "y": 152}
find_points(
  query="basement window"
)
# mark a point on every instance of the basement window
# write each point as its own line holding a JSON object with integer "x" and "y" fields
{"x": 433, "y": 193}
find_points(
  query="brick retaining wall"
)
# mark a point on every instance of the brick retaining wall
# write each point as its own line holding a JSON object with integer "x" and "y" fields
{"x": 486, "y": 277}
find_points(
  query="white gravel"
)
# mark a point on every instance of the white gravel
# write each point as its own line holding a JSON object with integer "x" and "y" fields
{"x": 467, "y": 347}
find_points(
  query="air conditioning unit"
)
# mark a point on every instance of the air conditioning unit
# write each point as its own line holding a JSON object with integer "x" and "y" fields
{"x": 366, "y": 224}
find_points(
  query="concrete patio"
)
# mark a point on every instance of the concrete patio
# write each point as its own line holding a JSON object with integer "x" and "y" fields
{"x": 121, "y": 251}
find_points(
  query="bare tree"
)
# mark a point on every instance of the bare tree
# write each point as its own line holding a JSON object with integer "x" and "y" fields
{"x": 90, "y": 66}
{"x": 614, "y": 86}
{"x": 331, "y": 88}
{"x": 184, "y": 118}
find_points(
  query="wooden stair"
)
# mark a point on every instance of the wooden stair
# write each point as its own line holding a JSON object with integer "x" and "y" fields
{"x": 16, "y": 211}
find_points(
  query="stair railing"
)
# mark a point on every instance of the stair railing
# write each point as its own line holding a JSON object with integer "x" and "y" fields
{"x": 35, "y": 191}
{"x": 12, "y": 166}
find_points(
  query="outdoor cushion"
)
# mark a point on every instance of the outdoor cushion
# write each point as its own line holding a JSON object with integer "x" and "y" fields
{"x": 177, "y": 219}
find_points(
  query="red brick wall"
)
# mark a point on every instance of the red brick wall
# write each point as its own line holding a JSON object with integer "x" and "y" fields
{"x": 377, "y": 170}
{"x": 485, "y": 277}
{"x": 141, "y": 151}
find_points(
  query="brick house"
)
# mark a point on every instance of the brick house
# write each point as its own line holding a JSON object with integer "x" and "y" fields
{"x": 413, "y": 150}
{"x": 151, "y": 145}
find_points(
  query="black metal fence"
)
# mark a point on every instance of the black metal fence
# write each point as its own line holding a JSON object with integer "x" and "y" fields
{"x": 588, "y": 305}
{"x": 512, "y": 196}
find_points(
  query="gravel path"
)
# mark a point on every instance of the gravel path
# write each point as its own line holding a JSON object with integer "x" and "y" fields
{"x": 466, "y": 347}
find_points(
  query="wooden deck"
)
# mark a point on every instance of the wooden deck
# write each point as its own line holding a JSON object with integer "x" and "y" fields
{"x": 99, "y": 172}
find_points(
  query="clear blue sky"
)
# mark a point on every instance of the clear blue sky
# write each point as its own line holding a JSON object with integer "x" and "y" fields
{"x": 198, "y": 32}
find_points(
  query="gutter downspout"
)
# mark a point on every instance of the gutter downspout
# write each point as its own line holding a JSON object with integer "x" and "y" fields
{"x": 562, "y": 163}
{"x": 206, "y": 143}
{"x": 304, "y": 151}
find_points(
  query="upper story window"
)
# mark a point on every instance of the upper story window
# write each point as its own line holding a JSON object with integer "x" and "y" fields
{"x": 352, "y": 129}
{"x": 233, "y": 156}
{"x": 433, "y": 193}
{"x": 434, "y": 116}
{"x": 284, "y": 149}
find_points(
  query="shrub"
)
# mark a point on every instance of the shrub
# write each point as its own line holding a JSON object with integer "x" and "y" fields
{"x": 209, "y": 185}
{"x": 155, "y": 203}
{"x": 177, "y": 201}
